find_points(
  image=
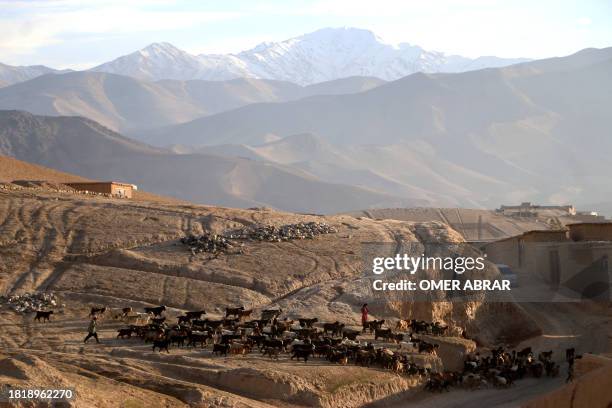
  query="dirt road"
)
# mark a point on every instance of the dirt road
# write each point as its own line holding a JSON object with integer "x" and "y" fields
{"x": 522, "y": 391}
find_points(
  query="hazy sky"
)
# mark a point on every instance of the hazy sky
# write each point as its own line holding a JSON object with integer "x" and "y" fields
{"x": 79, "y": 34}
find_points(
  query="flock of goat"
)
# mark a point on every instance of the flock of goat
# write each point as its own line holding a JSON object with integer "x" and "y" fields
{"x": 307, "y": 338}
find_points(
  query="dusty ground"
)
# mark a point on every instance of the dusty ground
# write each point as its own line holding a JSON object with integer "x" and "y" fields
{"x": 99, "y": 251}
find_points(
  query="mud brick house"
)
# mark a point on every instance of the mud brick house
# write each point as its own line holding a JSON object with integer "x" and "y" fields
{"x": 112, "y": 188}
{"x": 514, "y": 251}
{"x": 575, "y": 258}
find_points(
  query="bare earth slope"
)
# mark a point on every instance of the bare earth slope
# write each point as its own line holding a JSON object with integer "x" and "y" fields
{"x": 120, "y": 253}
{"x": 12, "y": 169}
{"x": 98, "y": 251}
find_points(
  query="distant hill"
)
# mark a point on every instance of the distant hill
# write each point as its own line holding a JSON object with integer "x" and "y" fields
{"x": 375, "y": 168}
{"x": 537, "y": 131}
{"x": 81, "y": 146}
{"x": 65, "y": 143}
{"x": 126, "y": 104}
{"x": 10, "y": 74}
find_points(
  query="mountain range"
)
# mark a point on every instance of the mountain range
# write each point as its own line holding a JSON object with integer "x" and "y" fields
{"x": 126, "y": 104}
{"x": 323, "y": 55}
{"x": 535, "y": 131}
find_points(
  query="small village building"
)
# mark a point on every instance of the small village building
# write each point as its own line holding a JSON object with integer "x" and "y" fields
{"x": 528, "y": 209}
{"x": 113, "y": 188}
{"x": 575, "y": 258}
{"x": 516, "y": 251}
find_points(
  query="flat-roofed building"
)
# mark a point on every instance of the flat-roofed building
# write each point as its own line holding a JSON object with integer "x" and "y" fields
{"x": 514, "y": 251}
{"x": 575, "y": 258}
{"x": 113, "y": 188}
{"x": 528, "y": 209}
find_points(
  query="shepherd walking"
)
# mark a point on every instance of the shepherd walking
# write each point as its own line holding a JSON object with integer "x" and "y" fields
{"x": 92, "y": 330}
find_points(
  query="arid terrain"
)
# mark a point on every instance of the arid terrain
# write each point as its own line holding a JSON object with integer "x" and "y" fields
{"x": 96, "y": 251}
{"x": 331, "y": 204}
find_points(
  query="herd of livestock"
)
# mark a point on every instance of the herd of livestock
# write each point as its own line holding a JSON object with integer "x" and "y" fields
{"x": 303, "y": 339}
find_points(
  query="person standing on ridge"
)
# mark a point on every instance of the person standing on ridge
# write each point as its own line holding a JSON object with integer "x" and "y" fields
{"x": 364, "y": 315}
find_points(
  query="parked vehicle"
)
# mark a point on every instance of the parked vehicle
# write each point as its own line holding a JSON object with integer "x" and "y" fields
{"x": 508, "y": 274}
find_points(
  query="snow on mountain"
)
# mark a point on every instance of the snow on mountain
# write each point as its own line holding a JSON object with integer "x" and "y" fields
{"x": 323, "y": 55}
{"x": 10, "y": 74}
{"x": 157, "y": 61}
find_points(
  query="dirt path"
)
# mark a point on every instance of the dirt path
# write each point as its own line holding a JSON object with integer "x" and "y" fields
{"x": 522, "y": 391}
{"x": 566, "y": 325}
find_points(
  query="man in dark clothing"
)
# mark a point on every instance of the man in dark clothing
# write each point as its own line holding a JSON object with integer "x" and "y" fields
{"x": 92, "y": 331}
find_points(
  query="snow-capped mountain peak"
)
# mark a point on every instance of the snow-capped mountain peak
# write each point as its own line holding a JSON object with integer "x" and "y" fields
{"x": 161, "y": 49}
{"x": 323, "y": 55}
{"x": 159, "y": 60}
